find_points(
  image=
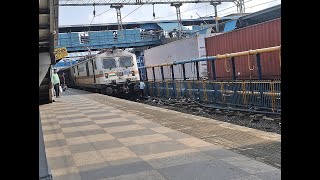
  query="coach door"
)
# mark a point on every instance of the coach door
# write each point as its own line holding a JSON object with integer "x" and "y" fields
{"x": 87, "y": 70}
{"x": 93, "y": 68}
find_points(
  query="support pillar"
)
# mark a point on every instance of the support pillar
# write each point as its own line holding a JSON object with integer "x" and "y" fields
{"x": 240, "y": 6}
{"x": 216, "y": 14}
{"x": 118, "y": 7}
{"x": 177, "y": 5}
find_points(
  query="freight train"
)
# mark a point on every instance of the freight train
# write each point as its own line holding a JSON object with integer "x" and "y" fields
{"x": 184, "y": 49}
{"x": 109, "y": 72}
{"x": 258, "y": 36}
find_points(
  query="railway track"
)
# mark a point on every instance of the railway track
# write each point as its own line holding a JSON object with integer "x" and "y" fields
{"x": 253, "y": 118}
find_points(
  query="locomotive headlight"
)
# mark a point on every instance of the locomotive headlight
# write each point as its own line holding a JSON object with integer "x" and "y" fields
{"x": 101, "y": 72}
{"x": 132, "y": 73}
{"x": 107, "y": 75}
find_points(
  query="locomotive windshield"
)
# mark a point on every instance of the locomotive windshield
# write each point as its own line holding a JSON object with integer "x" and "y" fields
{"x": 109, "y": 63}
{"x": 125, "y": 62}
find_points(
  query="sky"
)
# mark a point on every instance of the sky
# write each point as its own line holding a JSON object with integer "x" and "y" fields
{"x": 76, "y": 15}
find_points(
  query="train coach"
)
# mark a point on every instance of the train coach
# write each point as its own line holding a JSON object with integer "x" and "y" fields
{"x": 109, "y": 72}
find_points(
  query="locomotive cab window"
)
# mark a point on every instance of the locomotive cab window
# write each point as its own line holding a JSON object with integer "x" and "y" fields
{"x": 109, "y": 63}
{"x": 125, "y": 62}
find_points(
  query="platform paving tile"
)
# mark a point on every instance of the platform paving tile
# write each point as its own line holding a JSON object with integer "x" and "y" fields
{"x": 80, "y": 128}
{"x": 113, "y": 171}
{"x": 162, "y": 129}
{"x": 89, "y": 138}
{"x": 123, "y": 128}
{"x": 106, "y": 117}
{"x": 134, "y": 133}
{"x": 272, "y": 175}
{"x": 207, "y": 170}
{"x": 144, "y": 175}
{"x": 68, "y": 121}
{"x": 176, "y": 135}
{"x": 69, "y": 116}
{"x": 217, "y": 152}
{"x": 249, "y": 165}
{"x": 52, "y": 131}
{"x": 94, "y": 146}
{"x": 130, "y": 141}
{"x": 105, "y": 114}
{"x": 157, "y": 147}
{"x": 53, "y": 137}
{"x": 115, "y": 124}
{"x": 50, "y": 123}
{"x": 51, "y": 127}
{"x": 57, "y": 151}
{"x": 56, "y": 143}
{"x": 84, "y": 133}
{"x": 251, "y": 177}
{"x": 107, "y": 120}
{"x": 76, "y": 124}
{"x": 140, "y": 120}
{"x": 61, "y": 162}
{"x": 87, "y": 158}
{"x": 81, "y": 116}
{"x": 70, "y": 176}
{"x": 186, "y": 158}
{"x": 64, "y": 171}
{"x": 95, "y": 112}
{"x": 194, "y": 142}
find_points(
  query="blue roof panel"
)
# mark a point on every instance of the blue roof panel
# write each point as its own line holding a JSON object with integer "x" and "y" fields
{"x": 230, "y": 25}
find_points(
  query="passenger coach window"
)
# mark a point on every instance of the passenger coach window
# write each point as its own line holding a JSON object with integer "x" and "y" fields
{"x": 109, "y": 63}
{"x": 125, "y": 62}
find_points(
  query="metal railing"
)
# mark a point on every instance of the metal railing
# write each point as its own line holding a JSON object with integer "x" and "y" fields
{"x": 108, "y": 39}
{"x": 243, "y": 94}
{"x": 258, "y": 93}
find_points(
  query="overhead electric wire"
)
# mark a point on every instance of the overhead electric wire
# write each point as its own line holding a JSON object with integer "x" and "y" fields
{"x": 248, "y": 7}
{"x": 187, "y": 10}
{"x": 134, "y": 10}
{"x": 228, "y": 8}
{"x": 180, "y": 12}
{"x": 198, "y": 8}
{"x": 103, "y": 12}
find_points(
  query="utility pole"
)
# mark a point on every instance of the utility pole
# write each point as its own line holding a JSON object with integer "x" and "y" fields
{"x": 216, "y": 14}
{"x": 177, "y": 5}
{"x": 240, "y": 6}
{"x": 118, "y": 7}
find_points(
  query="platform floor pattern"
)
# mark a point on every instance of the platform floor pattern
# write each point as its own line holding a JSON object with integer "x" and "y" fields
{"x": 87, "y": 140}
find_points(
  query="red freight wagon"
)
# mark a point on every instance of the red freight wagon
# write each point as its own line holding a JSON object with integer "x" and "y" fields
{"x": 263, "y": 35}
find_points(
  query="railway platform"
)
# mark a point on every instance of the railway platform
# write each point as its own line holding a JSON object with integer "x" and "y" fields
{"x": 93, "y": 136}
